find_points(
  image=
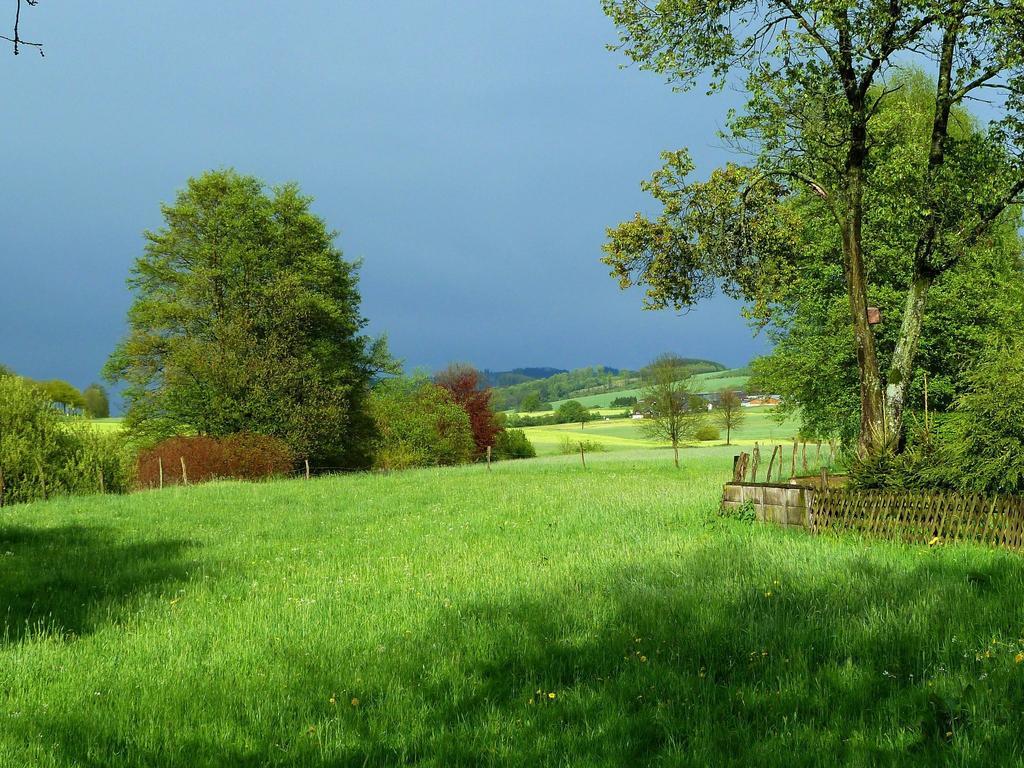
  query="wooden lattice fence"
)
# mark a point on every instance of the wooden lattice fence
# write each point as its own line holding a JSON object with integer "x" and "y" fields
{"x": 920, "y": 517}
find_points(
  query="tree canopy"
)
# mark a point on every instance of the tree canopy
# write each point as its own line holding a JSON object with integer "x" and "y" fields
{"x": 818, "y": 76}
{"x": 96, "y": 402}
{"x": 674, "y": 413}
{"x": 246, "y": 319}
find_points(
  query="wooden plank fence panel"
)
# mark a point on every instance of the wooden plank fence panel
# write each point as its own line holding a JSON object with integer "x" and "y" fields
{"x": 920, "y": 518}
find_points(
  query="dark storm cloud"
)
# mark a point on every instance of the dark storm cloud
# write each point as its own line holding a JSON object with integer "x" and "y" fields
{"x": 472, "y": 153}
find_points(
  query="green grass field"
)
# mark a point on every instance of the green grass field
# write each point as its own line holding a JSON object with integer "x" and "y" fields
{"x": 536, "y": 614}
{"x": 617, "y": 434}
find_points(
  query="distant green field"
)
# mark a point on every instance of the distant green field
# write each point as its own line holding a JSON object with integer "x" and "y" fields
{"x": 617, "y": 434}
{"x": 537, "y": 614}
{"x": 113, "y": 424}
{"x": 702, "y": 382}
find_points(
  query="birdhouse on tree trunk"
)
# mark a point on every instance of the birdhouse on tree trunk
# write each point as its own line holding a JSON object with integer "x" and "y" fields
{"x": 874, "y": 315}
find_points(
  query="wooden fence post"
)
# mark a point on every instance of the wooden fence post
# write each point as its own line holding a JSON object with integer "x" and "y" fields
{"x": 488, "y": 458}
{"x": 307, "y": 468}
{"x": 792, "y": 466}
{"x": 804, "y": 458}
{"x": 160, "y": 463}
{"x": 771, "y": 463}
{"x": 582, "y": 457}
{"x": 184, "y": 472}
{"x": 739, "y": 467}
{"x": 755, "y": 462}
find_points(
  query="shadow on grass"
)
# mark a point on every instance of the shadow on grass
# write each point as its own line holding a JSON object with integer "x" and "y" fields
{"x": 69, "y": 580}
{"x": 684, "y": 661}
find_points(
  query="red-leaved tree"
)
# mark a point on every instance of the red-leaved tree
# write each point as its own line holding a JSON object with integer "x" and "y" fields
{"x": 463, "y": 382}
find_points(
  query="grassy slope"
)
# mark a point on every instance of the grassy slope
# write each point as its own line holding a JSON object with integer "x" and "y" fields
{"x": 715, "y": 381}
{"x": 381, "y": 620}
{"x": 616, "y": 434}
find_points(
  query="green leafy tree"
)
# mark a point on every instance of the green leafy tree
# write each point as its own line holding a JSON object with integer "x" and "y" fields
{"x": 246, "y": 319}
{"x": 818, "y": 74}
{"x": 813, "y": 362}
{"x": 674, "y": 413}
{"x": 63, "y": 395}
{"x": 96, "y": 402}
{"x": 530, "y": 403}
{"x": 573, "y": 411}
{"x": 419, "y": 424}
{"x": 729, "y": 413}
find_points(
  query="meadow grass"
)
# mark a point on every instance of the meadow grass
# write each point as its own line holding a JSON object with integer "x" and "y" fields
{"x": 760, "y": 424}
{"x": 535, "y": 614}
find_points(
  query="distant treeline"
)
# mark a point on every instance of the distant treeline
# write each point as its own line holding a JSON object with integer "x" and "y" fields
{"x": 517, "y": 376}
{"x": 595, "y": 380}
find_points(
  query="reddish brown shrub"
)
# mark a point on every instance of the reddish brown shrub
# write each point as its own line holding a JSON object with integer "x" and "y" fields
{"x": 463, "y": 381}
{"x": 242, "y": 456}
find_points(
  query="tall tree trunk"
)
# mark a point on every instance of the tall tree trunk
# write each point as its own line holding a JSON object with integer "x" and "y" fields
{"x": 872, "y": 400}
{"x": 901, "y": 369}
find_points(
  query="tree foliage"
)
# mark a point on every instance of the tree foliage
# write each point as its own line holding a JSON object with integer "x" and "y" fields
{"x": 729, "y": 413}
{"x": 976, "y": 447}
{"x": 44, "y": 454}
{"x": 96, "y": 402}
{"x": 819, "y": 76}
{"x": 246, "y": 319}
{"x": 674, "y": 413}
{"x": 63, "y": 395}
{"x": 513, "y": 444}
{"x": 463, "y": 383}
{"x": 419, "y": 424}
{"x": 573, "y": 411}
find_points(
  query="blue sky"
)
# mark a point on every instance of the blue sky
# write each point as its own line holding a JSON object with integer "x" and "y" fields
{"x": 472, "y": 153}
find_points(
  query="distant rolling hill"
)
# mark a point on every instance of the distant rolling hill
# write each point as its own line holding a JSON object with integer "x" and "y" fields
{"x": 593, "y": 383}
{"x": 715, "y": 381}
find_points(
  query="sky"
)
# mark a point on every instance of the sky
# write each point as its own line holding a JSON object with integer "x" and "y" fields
{"x": 470, "y": 152}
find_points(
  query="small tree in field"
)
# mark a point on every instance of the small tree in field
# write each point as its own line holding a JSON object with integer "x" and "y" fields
{"x": 97, "y": 404}
{"x": 573, "y": 411}
{"x": 730, "y": 413}
{"x": 676, "y": 414}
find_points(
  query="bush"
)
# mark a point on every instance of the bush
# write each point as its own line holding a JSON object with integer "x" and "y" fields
{"x": 242, "y": 456}
{"x": 623, "y": 402}
{"x": 569, "y": 445}
{"x": 44, "y": 454}
{"x": 707, "y": 432}
{"x": 513, "y": 444}
{"x": 419, "y": 424}
{"x": 976, "y": 448}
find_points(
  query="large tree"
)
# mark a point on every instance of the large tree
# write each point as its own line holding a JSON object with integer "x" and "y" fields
{"x": 246, "y": 319}
{"x": 818, "y": 74}
{"x": 981, "y": 298}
